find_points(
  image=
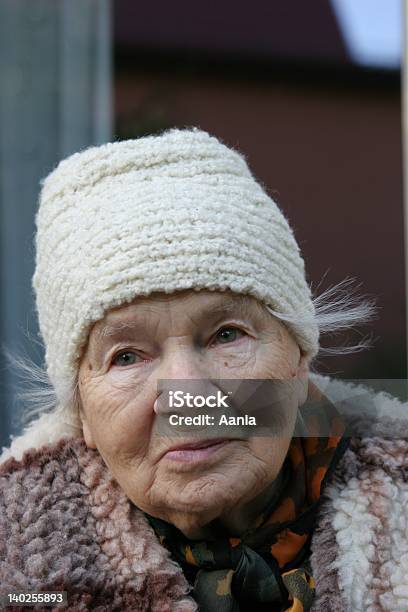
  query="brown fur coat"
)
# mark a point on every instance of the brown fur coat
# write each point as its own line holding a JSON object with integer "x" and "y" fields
{"x": 65, "y": 525}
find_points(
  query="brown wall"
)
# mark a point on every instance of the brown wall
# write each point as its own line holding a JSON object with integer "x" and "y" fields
{"x": 280, "y": 29}
{"x": 330, "y": 155}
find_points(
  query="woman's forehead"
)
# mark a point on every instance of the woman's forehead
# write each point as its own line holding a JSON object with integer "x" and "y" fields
{"x": 199, "y": 303}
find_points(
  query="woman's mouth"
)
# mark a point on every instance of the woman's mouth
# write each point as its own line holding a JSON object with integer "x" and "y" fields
{"x": 196, "y": 451}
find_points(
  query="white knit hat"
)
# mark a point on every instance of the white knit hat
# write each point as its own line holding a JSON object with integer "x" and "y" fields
{"x": 161, "y": 213}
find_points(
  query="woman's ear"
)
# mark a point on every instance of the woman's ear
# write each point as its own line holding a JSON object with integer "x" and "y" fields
{"x": 86, "y": 429}
{"x": 302, "y": 377}
{"x": 303, "y": 366}
{"x": 88, "y": 437}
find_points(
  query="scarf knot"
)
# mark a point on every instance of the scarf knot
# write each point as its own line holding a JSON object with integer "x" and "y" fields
{"x": 241, "y": 576}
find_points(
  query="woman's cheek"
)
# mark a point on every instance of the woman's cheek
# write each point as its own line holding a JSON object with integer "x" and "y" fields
{"x": 237, "y": 359}
{"x": 277, "y": 359}
{"x": 252, "y": 359}
{"x": 129, "y": 379}
{"x": 120, "y": 417}
{"x": 271, "y": 355}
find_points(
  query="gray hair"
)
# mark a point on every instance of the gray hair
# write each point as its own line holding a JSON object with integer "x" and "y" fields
{"x": 337, "y": 309}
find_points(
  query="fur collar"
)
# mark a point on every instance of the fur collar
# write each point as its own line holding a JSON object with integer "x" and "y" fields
{"x": 65, "y": 525}
{"x": 359, "y": 547}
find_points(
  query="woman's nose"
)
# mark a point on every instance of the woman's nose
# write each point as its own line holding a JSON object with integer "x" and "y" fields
{"x": 182, "y": 363}
{"x": 182, "y": 371}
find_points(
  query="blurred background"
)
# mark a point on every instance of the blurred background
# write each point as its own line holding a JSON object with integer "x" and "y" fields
{"x": 309, "y": 92}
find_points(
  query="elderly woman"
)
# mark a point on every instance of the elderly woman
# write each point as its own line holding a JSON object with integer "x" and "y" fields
{"x": 159, "y": 260}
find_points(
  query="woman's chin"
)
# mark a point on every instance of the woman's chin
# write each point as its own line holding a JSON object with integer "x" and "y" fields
{"x": 208, "y": 495}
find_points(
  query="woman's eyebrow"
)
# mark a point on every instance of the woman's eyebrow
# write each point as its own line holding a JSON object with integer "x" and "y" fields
{"x": 111, "y": 329}
{"x": 243, "y": 307}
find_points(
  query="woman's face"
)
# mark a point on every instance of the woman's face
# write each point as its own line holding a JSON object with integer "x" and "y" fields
{"x": 187, "y": 335}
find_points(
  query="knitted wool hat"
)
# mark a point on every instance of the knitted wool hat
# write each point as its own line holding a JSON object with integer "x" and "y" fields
{"x": 161, "y": 213}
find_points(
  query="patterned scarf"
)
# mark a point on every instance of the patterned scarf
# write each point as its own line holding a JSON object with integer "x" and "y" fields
{"x": 266, "y": 568}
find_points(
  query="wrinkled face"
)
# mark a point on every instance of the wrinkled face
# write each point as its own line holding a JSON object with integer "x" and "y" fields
{"x": 186, "y": 335}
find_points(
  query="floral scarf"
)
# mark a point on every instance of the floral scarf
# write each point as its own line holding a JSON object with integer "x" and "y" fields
{"x": 266, "y": 568}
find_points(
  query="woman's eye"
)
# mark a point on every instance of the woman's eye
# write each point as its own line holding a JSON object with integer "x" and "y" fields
{"x": 228, "y": 334}
{"x": 125, "y": 358}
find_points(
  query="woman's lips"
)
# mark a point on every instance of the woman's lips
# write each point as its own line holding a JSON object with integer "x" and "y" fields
{"x": 195, "y": 451}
